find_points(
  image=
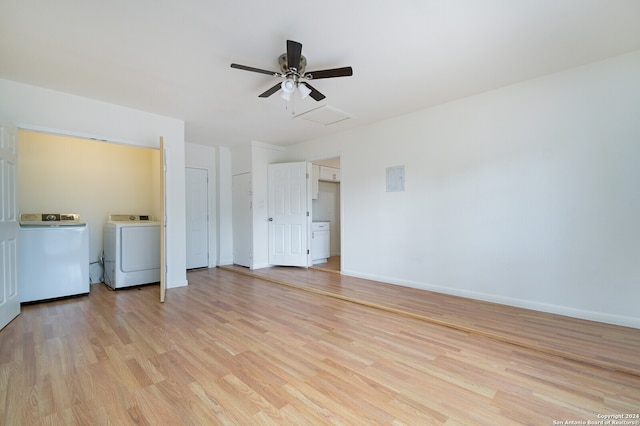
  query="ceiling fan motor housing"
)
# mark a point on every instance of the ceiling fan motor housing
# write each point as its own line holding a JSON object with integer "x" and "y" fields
{"x": 284, "y": 65}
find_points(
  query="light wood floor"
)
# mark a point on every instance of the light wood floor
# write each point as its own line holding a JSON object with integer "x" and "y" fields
{"x": 331, "y": 265}
{"x": 594, "y": 343}
{"x": 233, "y": 349}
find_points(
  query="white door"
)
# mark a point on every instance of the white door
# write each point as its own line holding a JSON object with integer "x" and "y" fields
{"x": 9, "y": 301}
{"x": 163, "y": 221}
{"x": 289, "y": 213}
{"x": 242, "y": 220}
{"x": 197, "y": 218}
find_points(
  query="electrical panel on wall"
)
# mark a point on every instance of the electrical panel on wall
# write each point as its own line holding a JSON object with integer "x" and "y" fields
{"x": 395, "y": 179}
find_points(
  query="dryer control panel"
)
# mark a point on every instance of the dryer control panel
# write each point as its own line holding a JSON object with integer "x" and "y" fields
{"x": 130, "y": 218}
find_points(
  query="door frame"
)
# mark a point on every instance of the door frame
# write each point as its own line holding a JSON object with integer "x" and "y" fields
{"x": 9, "y": 225}
{"x": 163, "y": 221}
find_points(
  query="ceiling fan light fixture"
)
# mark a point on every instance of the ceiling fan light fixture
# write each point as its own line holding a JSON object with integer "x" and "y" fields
{"x": 285, "y": 95}
{"x": 304, "y": 90}
{"x": 288, "y": 86}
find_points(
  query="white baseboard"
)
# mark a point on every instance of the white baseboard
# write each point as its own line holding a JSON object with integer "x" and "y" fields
{"x": 176, "y": 284}
{"x": 604, "y": 317}
{"x": 261, "y": 265}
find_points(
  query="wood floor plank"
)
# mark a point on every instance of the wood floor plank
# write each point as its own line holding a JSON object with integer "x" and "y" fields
{"x": 236, "y": 350}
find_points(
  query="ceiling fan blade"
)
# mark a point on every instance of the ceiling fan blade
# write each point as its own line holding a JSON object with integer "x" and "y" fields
{"x": 294, "y": 52}
{"x": 252, "y": 69}
{"x": 270, "y": 92}
{"x": 314, "y": 93}
{"x": 335, "y": 72}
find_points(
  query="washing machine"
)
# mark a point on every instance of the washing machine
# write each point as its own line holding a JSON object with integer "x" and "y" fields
{"x": 131, "y": 250}
{"x": 53, "y": 256}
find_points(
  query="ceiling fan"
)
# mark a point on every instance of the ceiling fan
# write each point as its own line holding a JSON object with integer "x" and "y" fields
{"x": 293, "y": 70}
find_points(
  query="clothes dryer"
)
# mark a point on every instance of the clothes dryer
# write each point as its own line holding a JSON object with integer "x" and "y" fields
{"x": 131, "y": 251}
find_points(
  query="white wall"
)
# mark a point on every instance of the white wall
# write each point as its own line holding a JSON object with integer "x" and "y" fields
{"x": 224, "y": 210}
{"x": 527, "y": 195}
{"x": 34, "y": 108}
{"x": 204, "y": 157}
{"x": 241, "y": 156}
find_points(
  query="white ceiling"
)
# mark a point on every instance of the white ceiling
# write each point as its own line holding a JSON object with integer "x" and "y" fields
{"x": 172, "y": 57}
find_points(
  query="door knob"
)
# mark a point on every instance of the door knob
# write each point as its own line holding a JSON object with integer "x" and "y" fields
{"x": 270, "y": 219}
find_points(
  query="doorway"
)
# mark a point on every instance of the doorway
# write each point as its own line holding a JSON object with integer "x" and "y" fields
{"x": 93, "y": 178}
{"x": 326, "y": 208}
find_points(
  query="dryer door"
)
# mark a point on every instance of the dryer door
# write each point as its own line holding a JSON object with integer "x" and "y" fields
{"x": 140, "y": 248}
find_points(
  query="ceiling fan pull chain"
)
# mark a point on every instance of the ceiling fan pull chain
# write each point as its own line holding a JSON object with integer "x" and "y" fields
{"x": 293, "y": 105}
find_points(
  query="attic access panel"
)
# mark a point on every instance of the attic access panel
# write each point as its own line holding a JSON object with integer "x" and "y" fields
{"x": 324, "y": 115}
